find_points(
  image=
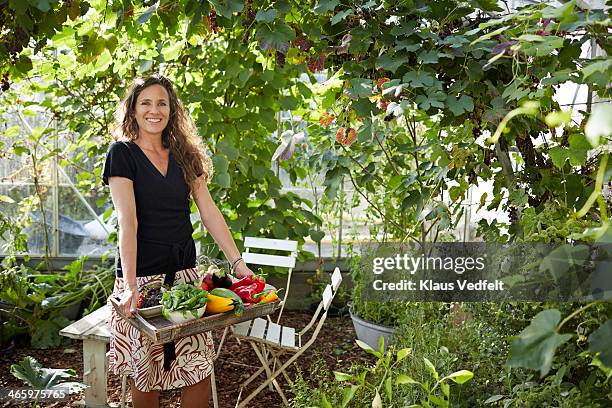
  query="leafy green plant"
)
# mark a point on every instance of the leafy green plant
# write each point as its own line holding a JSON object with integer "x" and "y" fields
{"x": 32, "y": 373}
{"x": 435, "y": 393}
{"x": 37, "y": 301}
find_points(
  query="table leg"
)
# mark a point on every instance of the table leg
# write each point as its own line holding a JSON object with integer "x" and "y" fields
{"x": 95, "y": 368}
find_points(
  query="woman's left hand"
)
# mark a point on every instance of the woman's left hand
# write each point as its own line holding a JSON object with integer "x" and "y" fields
{"x": 242, "y": 270}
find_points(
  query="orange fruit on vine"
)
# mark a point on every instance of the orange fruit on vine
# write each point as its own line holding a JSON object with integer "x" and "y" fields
{"x": 326, "y": 118}
{"x": 381, "y": 81}
{"x": 346, "y": 136}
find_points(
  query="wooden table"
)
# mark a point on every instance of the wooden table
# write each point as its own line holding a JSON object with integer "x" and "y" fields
{"x": 160, "y": 330}
{"x": 93, "y": 330}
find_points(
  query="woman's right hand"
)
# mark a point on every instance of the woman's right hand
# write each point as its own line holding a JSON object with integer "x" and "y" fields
{"x": 128, "y": 301}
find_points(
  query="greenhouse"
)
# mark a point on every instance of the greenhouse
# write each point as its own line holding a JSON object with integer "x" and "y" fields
{"x": 373, "y": 203}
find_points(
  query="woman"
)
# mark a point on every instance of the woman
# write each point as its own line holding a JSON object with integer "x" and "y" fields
{"x": 152, "y": 168}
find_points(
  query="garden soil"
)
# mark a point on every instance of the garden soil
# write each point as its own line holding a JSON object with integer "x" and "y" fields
{"x": 335, "y": 345}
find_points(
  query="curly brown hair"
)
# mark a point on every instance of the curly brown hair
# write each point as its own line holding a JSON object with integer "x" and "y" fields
{"x": 180, "y": 135}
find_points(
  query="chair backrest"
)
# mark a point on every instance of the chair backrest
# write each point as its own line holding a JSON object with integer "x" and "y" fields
{"x": 285, "y": 261}
{"x": 330, "y": 290}
{"x": 336, "y": 279}
{"x": 328, "y": 296}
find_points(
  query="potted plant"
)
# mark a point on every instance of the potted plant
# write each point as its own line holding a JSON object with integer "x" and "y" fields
{"x": 373, "y": 319}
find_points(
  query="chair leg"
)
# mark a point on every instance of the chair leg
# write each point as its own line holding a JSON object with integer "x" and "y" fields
{"x": 221, "y": 342}
{"x": 213, "y": 386}
{"x": 123, "y": 389}
{"x": 254, "y": 376}
{"x": 270, "y": 379}
{"x": 273, "y": 376}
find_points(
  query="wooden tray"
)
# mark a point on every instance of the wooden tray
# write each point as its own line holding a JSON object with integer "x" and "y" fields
{"x": 160, "y": 330}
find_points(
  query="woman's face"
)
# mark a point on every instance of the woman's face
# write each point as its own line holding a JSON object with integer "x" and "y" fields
{"x": 152, "y": 110}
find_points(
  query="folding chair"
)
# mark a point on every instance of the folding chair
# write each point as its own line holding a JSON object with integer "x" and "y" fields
{"x": 252, "y": 258}
{"x": 284, "y": 261}
{"x": 272, "y": 342}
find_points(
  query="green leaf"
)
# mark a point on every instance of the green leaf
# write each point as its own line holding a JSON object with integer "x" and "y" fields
{"x": 558, "y": 155}
{"x": 565, "y": 12}
{"x": 578, "y": 149}
{"x": 431, "y": 368}
{"x": 341, "y": 16}
{"x": 324, "y": 6}
{"x": 226, "y": 145}
{"x": 403, "y": 353}
{"x": 173, "y": 51}
{"x": 278, "y": 36}
{"x": 602, "y": 66}
{"x": 316, "y": 236}
{"x": 600, "y": 341}
{"x": 419, "y": 79}
{"x": 103, "y": 61}
{"x": 599, "y": 124}
{"x": 236, "y": 112}
{"x": 6, "y": 199}
{"x": 324, "y": 402}
{"x": 381, "y": 344}
{"x": 228, "y": 7}
{"x": 405, "y": 379}
{"x": 460, "y": 105}
{"x": 279, "y": 231}
{"x": 486, "y": 5}
{"x": 493, "y": 399}
{"x": 266, "y": 16}
{"x": 562, "y": 258}
{"x": 461, "y": 376}
{"x": 342, "y": 376}
{"x": 361, "y": 87}
{"x": 24, "y": 64}
{"x": 429, "y": 57}
{"x": 42, "y": 5}
{"x": 348, "y": 394}
{"x": 390, "y": 63}
{"x": 389, "y": 388}
{"x": 144, "y": 17}
{"x": 365, "y": 347}
{"x": 535, "y": 346}
{"x": 433, "y": 98}
{"x": 408, "y": 45}
{"x": 398, "y": 109}
{"x": 558, "y": 118}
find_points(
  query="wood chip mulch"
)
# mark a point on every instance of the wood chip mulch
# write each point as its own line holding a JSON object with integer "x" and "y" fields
{"x": 335, "y": 345}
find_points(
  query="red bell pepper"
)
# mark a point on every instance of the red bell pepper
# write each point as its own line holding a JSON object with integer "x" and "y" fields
{"x": 249, "y": 280}
{"x": 246, "y": 292}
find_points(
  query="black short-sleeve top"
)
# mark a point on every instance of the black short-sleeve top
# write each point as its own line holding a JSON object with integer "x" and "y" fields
{"x": 164, "y": 237}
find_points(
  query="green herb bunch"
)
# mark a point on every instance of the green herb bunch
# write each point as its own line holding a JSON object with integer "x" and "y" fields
{"x": 185, "y": 298}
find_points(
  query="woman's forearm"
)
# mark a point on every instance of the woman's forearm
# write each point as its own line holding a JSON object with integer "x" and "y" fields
{"x": 216, "y": 225}
{"x": 127, "y": 249}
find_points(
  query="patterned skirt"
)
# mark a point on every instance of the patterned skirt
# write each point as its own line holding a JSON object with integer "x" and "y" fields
{"x": 133, "y": 354}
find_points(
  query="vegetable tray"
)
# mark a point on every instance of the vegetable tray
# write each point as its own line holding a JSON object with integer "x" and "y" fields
{"x": 160, "y": 330}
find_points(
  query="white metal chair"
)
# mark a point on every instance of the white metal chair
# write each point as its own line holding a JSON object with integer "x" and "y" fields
{"x": 271, "y": 342}
{"x": 284, "y": 261}
{"x": 262, "y": 259}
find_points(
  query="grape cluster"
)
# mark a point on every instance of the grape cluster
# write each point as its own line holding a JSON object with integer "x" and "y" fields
{"x": 513, "y": 214}
{"x": 303, "y": 43}
{"x": 16, "y": 42}
{"x": 280, "y": 59}
{"x": 316, "y": 64}
{"x": 5, "y": 83}
{"x": 248, "y": 21}
{"x": 213, "y": 24}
